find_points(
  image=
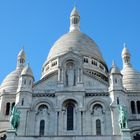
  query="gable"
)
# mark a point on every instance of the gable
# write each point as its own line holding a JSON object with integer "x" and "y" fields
{"x": 92, "y": 83}
{"x": 46, "y": 84}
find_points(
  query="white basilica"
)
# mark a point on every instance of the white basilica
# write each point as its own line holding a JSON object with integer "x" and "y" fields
{"x": 77, "y": 97}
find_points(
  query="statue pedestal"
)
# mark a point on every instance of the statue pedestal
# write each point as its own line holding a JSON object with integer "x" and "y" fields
{"x": 126, "y": 134}
{"x": 11, "y": 134}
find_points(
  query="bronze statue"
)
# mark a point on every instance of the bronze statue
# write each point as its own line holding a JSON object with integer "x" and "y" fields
{"x": 15, "y": 118}
{"x": 123, "y": 116}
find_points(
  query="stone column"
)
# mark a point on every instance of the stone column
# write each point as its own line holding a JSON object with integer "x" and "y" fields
{"x": 59, "y": 74}
{"x": 78, "y": 122}
{"x": 60, "y": 77}
{"x": 79, "y": 75}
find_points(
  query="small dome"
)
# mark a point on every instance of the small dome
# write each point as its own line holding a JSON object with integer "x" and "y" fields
{"x": 10, "y": 83}
{"x": 131, "y": 78}
{"x": 27, "y": 71}
{"x": 22, "y": 54}
{"x": 114, "y": 69}
{"x": 74, "y": 12}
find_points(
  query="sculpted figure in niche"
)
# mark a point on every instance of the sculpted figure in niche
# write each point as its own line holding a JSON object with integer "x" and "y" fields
{"x": 97, "y": 110}
{"x": 43, "y": 109}
{"x": 70, "y": 75}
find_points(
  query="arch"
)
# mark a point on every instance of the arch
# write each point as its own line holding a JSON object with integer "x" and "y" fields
{"x": 42, "y": 106}
{"x": 134, "y": 131}
{"x": 74, "y": 99}
{"x": 136, "y": 136}
{"x": 45, "y": 101}
{"x": 103, "y": 102}
{"x": 97, "y": 109}
{"x": 98, "y": 127}
{"x": 69, "y": 106}
{"x": 138, "y": 107}
{"x": 13, "y": 104}
{"x": 42, "y": 128}
{"x": 71, "y": 56}
{"x": 7, "y": 112}
{"x": 133, "y": 109}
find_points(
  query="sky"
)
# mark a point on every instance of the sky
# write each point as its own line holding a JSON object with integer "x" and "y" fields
{"x": 37, "y": 24}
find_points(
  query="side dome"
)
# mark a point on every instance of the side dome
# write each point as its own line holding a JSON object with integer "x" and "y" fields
{"x": 131, "y": 78}
{"x": 10, "y": 83}
{"x": 78, "y": 42}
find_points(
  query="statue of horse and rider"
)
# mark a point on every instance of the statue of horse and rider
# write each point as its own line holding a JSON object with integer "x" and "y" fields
{"x": 123, "y": 116}
{"x": 15, "y": 118}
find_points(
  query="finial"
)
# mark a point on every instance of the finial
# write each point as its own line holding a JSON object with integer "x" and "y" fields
{"x": 113, "y": 63}
{"x": 23, "y": 47}
{"x": 28, "y": 64}
{"x": 125, "y": 45}
{"x": 74, "y": 3}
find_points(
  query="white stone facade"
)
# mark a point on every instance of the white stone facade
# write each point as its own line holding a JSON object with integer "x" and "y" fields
{"x": 77, "y": 97}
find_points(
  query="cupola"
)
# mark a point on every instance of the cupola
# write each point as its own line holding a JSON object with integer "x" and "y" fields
{"x": 74, "y": 20}
{"x": 125, "y": 56}
{"x": 21, "y": 58}
{"x": 26, "y": 79}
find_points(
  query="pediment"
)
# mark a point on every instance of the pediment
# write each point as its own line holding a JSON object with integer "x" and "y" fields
{"x": 70, "y": 56}
{"x": 46, "y": 84}
{"x": 93, "y": 83}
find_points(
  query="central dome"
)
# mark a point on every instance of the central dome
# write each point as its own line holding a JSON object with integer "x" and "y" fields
{"x": 78, "y": 42}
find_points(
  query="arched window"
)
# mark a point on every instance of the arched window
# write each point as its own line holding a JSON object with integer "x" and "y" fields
{"x": 22, "y": 101}
{"x": 118, "y": 102}
{"x": 116, "y": 80}
{"x": 30, "y": 82}
{"x": 25, "y": 82}
{"x": 7, "y": 109}
{"x": 70, "y": 118}
{"x": 133, "y": 109}
{"x": 138, "y": 106}
{"x": 98, "y": 127}
{"x": 13, "y": 104}
{"x": 42, "y": 128}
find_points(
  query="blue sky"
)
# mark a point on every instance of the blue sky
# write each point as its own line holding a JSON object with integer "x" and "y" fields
{"x": 37, "y": 24}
